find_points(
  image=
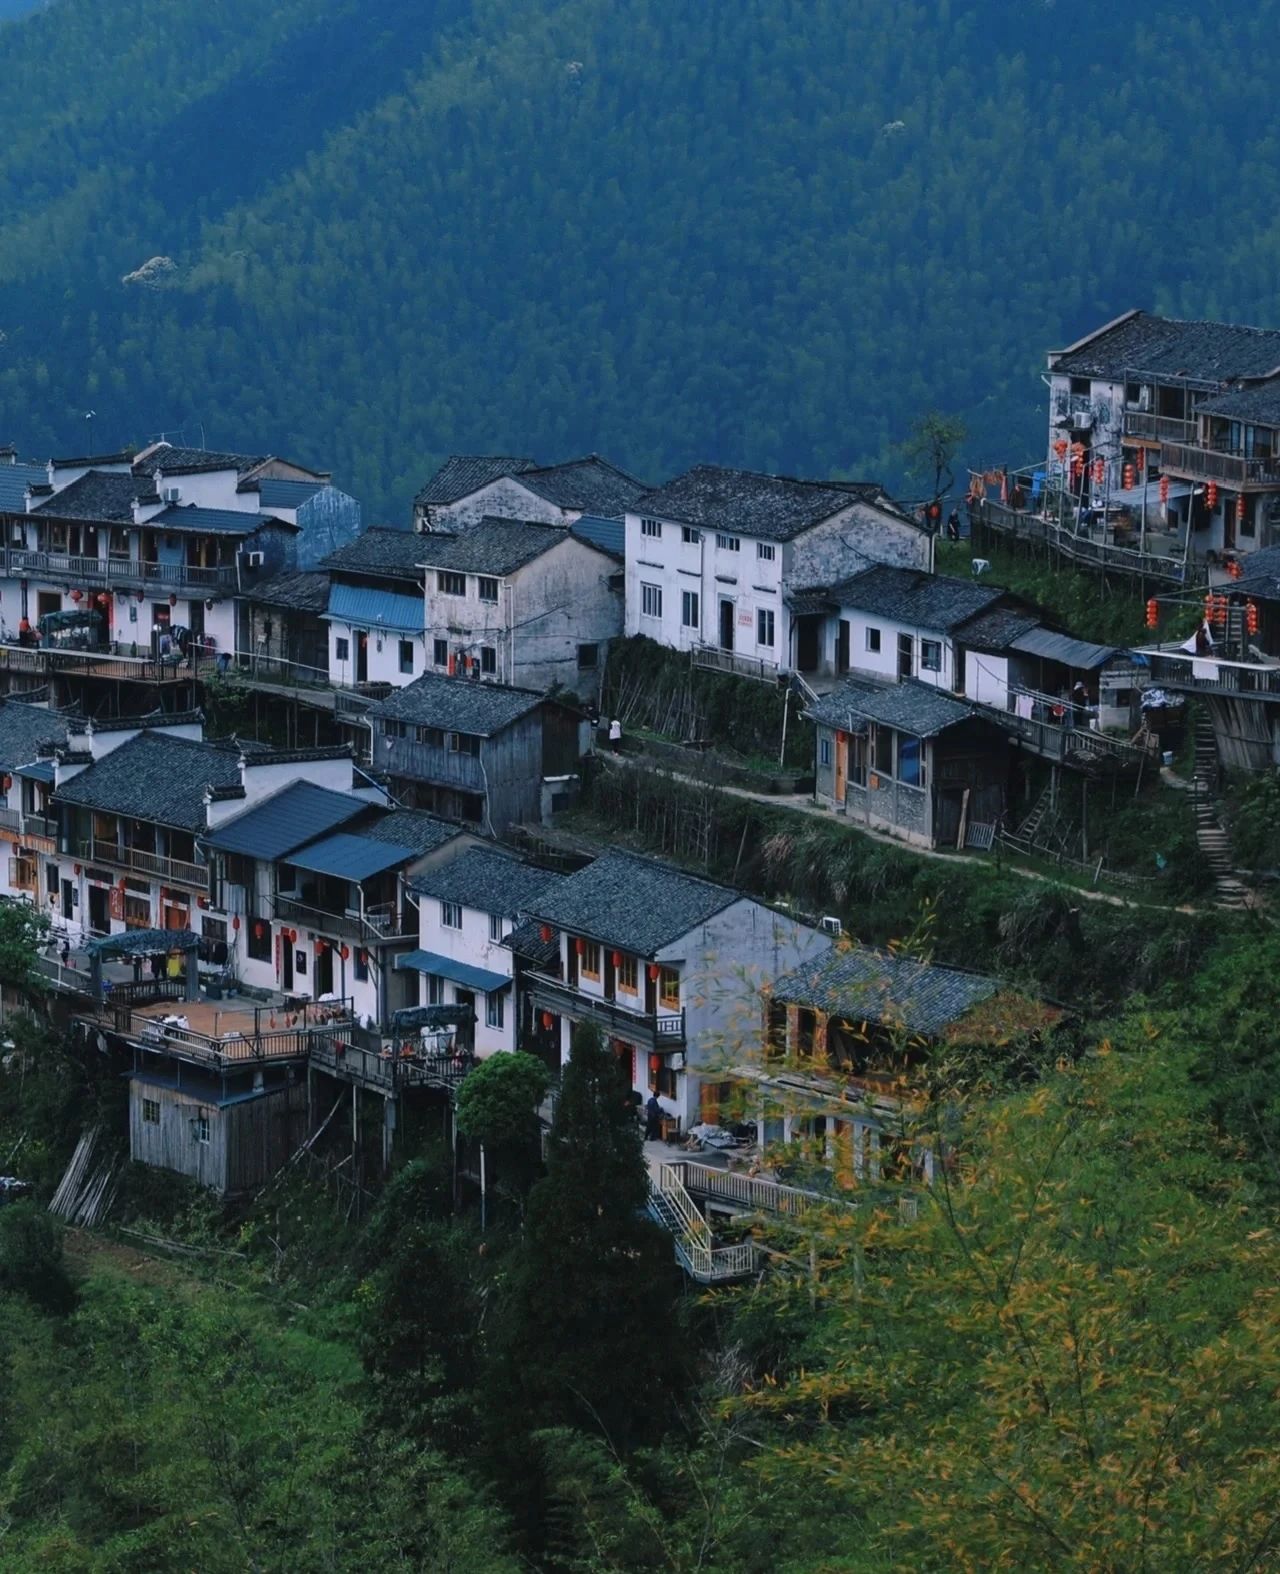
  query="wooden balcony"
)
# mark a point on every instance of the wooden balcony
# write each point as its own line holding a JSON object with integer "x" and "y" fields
{"x": 104, "y": 664}
{"x": 1168, "y": 562}
{"x": 1080, "y": 748}
{"x": 426, "y": 762}
{"x": 384, "y": 922}
{"x": 230, "y": 1039}
{"x": 112, "y": 571}
{"x": 387, "y": 1069}
{"x": 1149, "y": 428}
{"x": 174, "y": 871}
{"x": 650, "y": 1030}
{"x": 1238, "y": 471}
{"x": 1180, "y": 670}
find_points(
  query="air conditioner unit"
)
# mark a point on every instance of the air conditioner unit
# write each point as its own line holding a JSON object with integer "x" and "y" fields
{"x": 173, "y": 494}
{"x": 832, "y": 925}
{"x": 676, "y": 1061}
{"x": 1081, "y": 420}
{"x": 254, "y": 559}
{"x": 1144, "y": 397}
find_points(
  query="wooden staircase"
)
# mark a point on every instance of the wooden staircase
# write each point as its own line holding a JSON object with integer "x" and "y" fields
{"x": 1230, "y": 891}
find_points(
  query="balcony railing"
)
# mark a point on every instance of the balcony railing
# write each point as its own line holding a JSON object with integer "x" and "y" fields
{"x": 1170, "y": 563}
{"x": 655, "y": 1029}
{"x": 248, "y": 1038}
{"x": 374, "y": 924}
{"x": 712, "y": 659}
{"x": 1212, "y": 464}
{"x": 1158, "y": 428}
{"x": 39, "y": 826}
{"x": 178, "y": 870}
{"x": 106, "y": 664}
{"x": 1182, "y": 670}
{"x": 10, "y": 819}
{"x": 23, "y": 564}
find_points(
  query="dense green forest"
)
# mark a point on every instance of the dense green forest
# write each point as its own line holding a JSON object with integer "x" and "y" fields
{"x": 768, "y": 233}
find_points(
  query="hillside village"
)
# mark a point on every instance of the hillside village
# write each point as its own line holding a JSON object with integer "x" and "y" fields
{"x": 290, "y": 789}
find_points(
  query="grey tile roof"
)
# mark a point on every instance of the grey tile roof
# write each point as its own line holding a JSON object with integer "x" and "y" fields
{"x": 296, "y": 814}
{"x": 592, "y": 485}
{"x": 911, "y": 707}
{"x": 744, "y": 502}
{"x": 490, "y": 882}
{"x": 172, "y": 459}
{"x": 493, "y": 546}
{"x": 462, "y": 474}
{"x": 1145, "y": 345}
{"x": 276, "y": 493}
{"x": 610, "y": 535}
{"x": 996, "y": 628}
{"x": 904, "y": 595}
{"x": 14, "y": 481}
{"x": 156, "y": 777}
{"x": 98, "y": 494}
{"x": 1259, "y": 405}
{"x": 527, "y": 943}
{"x": 210, "y": 521}
{"x": 863, "y": 985}
{"x": 23, "y": 729}
{"x": 634, "y": 903}
{"x": 457, "y": 704}
{"x": 379, "y": 553}
{"x": 296, "y": 592}
{"x": 1261, "y": 576}
{"x": 412, "y": 828}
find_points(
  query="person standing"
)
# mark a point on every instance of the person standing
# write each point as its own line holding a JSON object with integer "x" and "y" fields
{"x": 615, "y": 735}
{"x": 653, "y": 1119}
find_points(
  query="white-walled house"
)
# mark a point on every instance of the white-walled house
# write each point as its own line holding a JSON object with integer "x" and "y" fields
{"x": 375, "y": 613}
{"x": 467, "y": 909}
{"x": 521, "y": 603}
{"x": 470, "y": 487}
{"x": 670, "y": 967}
{"x": 713, "y": 557}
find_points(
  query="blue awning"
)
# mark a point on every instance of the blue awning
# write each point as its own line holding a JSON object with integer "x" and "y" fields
{"x": 41, "y": 771}
{"x": 457, "y": 972}
{"x": 347, "y": 856}
{"x": 373, "y": 609}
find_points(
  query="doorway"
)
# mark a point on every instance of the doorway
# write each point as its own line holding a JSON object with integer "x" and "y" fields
{"x": 362, "y": 658}
{"x": 99, "y": 921}
{"x": 726, "y": 623}
{"x": 47, "y": 601}
{"x": 906, "y": 656}
{"x": 68, "y": 900}
{"x": 286, "y": 964}
{"x": 465, "y": 1032}
{"x": 322, "y": 976}
{"x": 842, "y": 764}
{"x": 610, "y": 977}
{"x": 957, "y": 657}
{"x": 842, "y": 646}
{"x": 808, "y": 642}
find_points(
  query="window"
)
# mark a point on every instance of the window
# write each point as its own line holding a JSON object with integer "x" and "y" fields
{"x": 440, "y": 652}
{"x": 651, "y": 601}
{"x": 910, "y": 761}
{"x": 214, "y": 929}
{"x": 463, "y": 743}
{"x": 341, "y": 648}
{"x": 588, "y": 658}
{"x": 360, "y": 965}
{"x": 392, "y": 728}
{"x": 493, "y": 1013}
{"x": 51, "y": 879}
{"x": 662, "y": 1081}
{"x": 1080, "y": 385}
{"x": 728, "y": 543}
{"x": 431, "y": 736}
{"x": 824, "y": 752}
{"x": 258, "y": 944}
{"x": 406, "y": 655}
{"x": 689, "y": 610}
{"x": 200, "y": 1127}
{"x": 873, "y": 640}
{"x": 590, "y": 959}
{"x": 488, "y": 659}
{"x": 137, "y": 911}
{"x": 495, "y": 928}
{"x": 931, "y": 655}
{"x": 882, "y": 749}
{"x": 669, "y": 988}
{"x": 300, "y": 963}
{"x": 764, "y": 626}
{"x": 628, "y": 976}
{"x": 651, "y": 527}
{"x": 765, "y": 551}
{"x": 486, "y": 588}
{"x": 151, "y": 1111}
{"x": 435, "y": 990}
{"x": 690, "y": 536}
{"x": 450, "y": 915}
{"x": 450, "y": 584}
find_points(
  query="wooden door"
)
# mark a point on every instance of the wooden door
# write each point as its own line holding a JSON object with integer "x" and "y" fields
{"x": 842, "y": 764}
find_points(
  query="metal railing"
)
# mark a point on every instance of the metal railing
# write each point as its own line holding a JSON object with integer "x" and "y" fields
{"x": 180, "y": 870}
{"x": 1209, "y": 673}
{"x": 24, "y": 563}
{"x": 1055, "y": 740}
{"x": 1214, "y": 464}
{"x": 673, "y": 1208}
{"x": 374, "y": 924}
{"x": 297, "y": 1031}
{"x": 109, "y": 663}
{"x": 553, "y": 994}
{"x": 1082, "y": 548}
{"x": 1158, "y": 428}
{"x": 41, "y": 825}
{"x": 711, "y": 658}
{"x": 754, "y": 1192}
{"x": 10, "y": 819}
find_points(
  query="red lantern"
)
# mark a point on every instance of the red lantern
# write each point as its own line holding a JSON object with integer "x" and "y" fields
{"x": 259, "y": 929}
{"x": 321, "y": 947}
{"x": 580, "y": 946}
{"x": 655, "y": 1062}
{"x": 120, "y": 882}
{"x": 1153, "y": 613}
{"x": 545, "y": 933}
{"x": 1128, "y": 477}
{"x": 1164, "y": 488}
{"x": 362, "y": 956}
{"x": 1211, "y": 495}
{"x": 546, "y": 1019}
{"x": 617, "y": 959}
{"x": 77, "y": 868}
{"x": 345, "y": 953}
{"x": 1240, "y": 508}
{"x": 653, "y": 971}
{"x": 1060, "y": 448}
{"x": 1142, "y": 463}
{"x": 77, "y": 595}
{"x": 1251, "y": 617}
{"x": 235, "y": 923}
{"x": 1099, "y": 471}
{"x": 8, "y": 782}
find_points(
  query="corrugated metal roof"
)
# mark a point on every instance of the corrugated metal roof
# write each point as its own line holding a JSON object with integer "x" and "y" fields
{"x": 610, "y": 535}
{"x": 41, "y": 771}
{"x": 459, "y": 972}
{"x": 215, "y": 521}
{"x": 290, "y": 818}
{"x": 347, "y": 856}
{"x": 1077, "y": 653}
{"x": 274, "y": 492}
{"x": 14, "y": 481}
{"x": 368, "y": 608}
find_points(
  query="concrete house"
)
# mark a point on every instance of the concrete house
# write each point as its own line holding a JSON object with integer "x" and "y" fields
{"x": 375, "y": 610}
{"x": 669, "y": 966}
{"x": 715, "y": 560}
{"x": 29, "y": 735}
{"x": 484, "y": 753}
{"x": 470, "y": 487}
{"x": 909, "y": 760}
{"x": 515, "y": 602}
{"x": 468, "y": 909}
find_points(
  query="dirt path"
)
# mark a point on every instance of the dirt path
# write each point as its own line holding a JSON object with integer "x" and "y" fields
{"x": 84, "y": 1249}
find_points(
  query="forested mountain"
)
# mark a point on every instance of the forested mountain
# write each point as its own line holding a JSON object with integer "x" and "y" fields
{"x": 768, "y": 233}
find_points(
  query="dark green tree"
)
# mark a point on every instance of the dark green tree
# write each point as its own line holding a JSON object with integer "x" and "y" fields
{"x": 31, "y": 1258}
{"x": 498, "y": 1108}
